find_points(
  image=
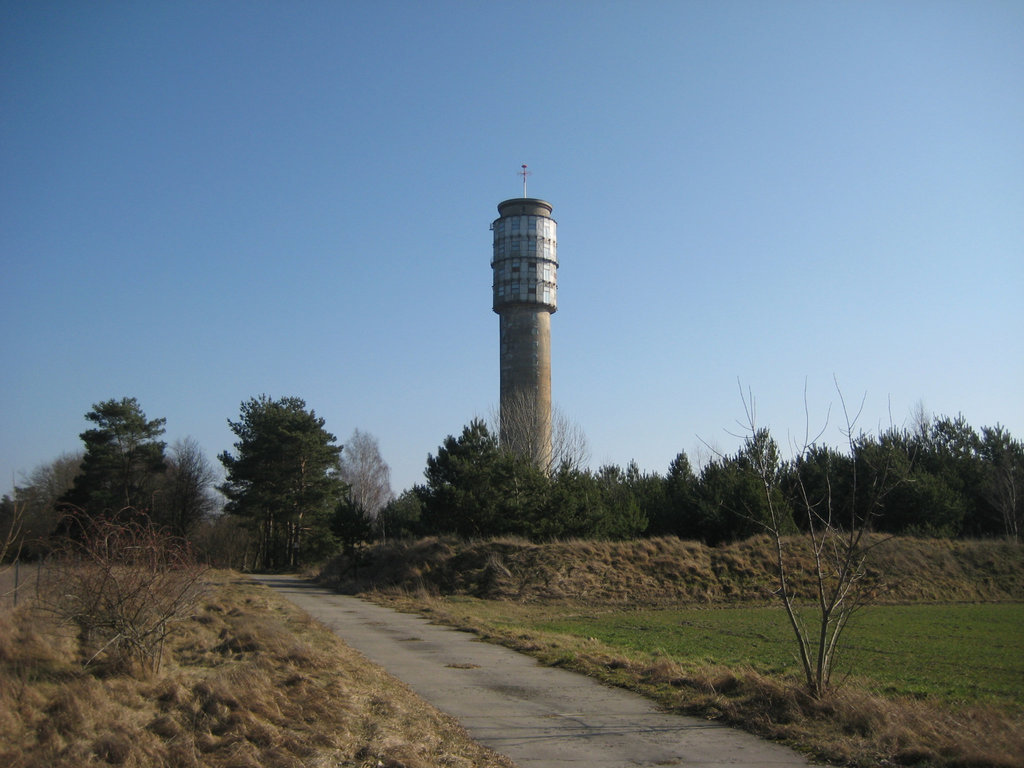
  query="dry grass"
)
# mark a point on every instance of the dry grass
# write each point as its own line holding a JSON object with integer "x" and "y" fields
{"x": 669, "y": 571}
{"x": 247, "y": 681}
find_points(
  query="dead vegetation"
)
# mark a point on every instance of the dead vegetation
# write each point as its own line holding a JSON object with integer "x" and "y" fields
{"x": 247, "y": 680}
{"x": 123, "y": 586}
{"x": 670, "y": 571}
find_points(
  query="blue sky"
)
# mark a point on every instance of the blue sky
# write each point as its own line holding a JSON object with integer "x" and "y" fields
{"x": 203, "y": 202}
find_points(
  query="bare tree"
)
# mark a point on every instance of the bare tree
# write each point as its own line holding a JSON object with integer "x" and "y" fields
{"x": 920, "y": 420}
{"x": 41, "y": 490}
{"x": 186, "y": 495}
{"x": 48, "y": 482}
{"x": 1002, "y": 491}
{"x": 1001, "y": 487}
{"x": 569, "y": 447}
{"x": 366, "y": 473}
{"x": 524, "y": 427}
{"x": 523, "y": 431}
{"x": 12, "y": 516}
{"x": 836, "y": 538}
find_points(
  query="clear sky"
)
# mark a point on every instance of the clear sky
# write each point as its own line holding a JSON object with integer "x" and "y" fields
{"x": 201, "y": 202}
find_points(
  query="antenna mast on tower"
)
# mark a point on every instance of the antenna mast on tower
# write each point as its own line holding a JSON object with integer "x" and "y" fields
{"x": 524, "y": 173}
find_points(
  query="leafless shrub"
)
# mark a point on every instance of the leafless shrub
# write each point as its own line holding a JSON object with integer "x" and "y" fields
{"x": 124, "y": 586}
{"x": 836, "y": 538}
{"x": 10, "y": 531}
{"x": 10, "y": 540}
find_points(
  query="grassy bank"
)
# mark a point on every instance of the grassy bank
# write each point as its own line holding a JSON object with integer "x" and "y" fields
{"x": 247, "y": 681}
{"x": 670, "y": 571}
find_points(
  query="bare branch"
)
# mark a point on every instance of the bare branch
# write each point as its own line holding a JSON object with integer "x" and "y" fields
{"x": 366, "y": 473}
{"x": 124, "y": 585}
{"x": 839, "y": 553}
{"x": 516, "y": 421}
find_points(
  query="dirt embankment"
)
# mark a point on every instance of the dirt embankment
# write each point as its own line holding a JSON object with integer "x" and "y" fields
{"x": 671, "y": 571}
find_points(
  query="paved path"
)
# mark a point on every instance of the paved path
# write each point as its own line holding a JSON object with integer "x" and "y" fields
{"x": 541, "y": 717}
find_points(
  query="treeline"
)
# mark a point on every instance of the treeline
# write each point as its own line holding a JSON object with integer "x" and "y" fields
{"x": 288, "y": 496}
{"x": 944, "y": 479}
{"x": 124, "y": 471}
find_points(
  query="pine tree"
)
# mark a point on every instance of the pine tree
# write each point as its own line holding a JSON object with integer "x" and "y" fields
{"x": 123, "y": 461}
{"x": 284, "y": 478}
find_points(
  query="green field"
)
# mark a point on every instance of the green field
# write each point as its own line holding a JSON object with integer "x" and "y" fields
{"x": 959, "y": 653}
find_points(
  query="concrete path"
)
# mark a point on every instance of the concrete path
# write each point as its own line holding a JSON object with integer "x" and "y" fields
{"x": 540, "y": 717}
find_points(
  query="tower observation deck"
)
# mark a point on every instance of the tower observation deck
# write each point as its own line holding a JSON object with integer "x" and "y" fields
{"x": 525, "y": 295}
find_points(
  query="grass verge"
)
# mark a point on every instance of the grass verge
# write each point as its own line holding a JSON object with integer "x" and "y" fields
{"x": 248, "y": 681}
{"x": 734, "y": 665}
{"x": 962, "y": 654}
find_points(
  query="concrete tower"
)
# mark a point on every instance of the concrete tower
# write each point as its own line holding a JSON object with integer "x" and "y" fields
{"x": 525, "y": 265}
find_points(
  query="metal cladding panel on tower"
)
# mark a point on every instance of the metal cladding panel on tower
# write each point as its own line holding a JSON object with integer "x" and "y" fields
{"x": 525, "y": 259}
{"x": 525, "y": 264}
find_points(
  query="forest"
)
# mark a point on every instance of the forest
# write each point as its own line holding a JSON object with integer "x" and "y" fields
{"x": 291, "y": 494}
{"x": 945, "y": 479}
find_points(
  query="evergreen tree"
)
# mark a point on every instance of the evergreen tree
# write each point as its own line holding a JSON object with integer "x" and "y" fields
{"x": 400, "y": 516}
{"x": 584, "y": 504}
{"x": 819, "y": 477}
{"x": 284, "y": 478}
{"x": 123, "y": 461}
{"x": 474, "y": 488}
{"x": 351, "y": 524}
{"x": 678, "y": 516}
{"x": 735, "y": 493}
{"x": 649, "y": 491}
{"x": 619, "y": 512}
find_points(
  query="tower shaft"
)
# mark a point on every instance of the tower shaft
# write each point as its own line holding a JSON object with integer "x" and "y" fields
{"x": 525, "y": 264}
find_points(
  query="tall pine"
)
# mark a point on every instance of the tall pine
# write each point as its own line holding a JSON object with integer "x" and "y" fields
{"x": 283, "y": 477}
{"x": 123, "y": 461}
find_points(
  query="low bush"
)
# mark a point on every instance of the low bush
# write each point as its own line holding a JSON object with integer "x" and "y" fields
{"x": 124, "y": 586}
